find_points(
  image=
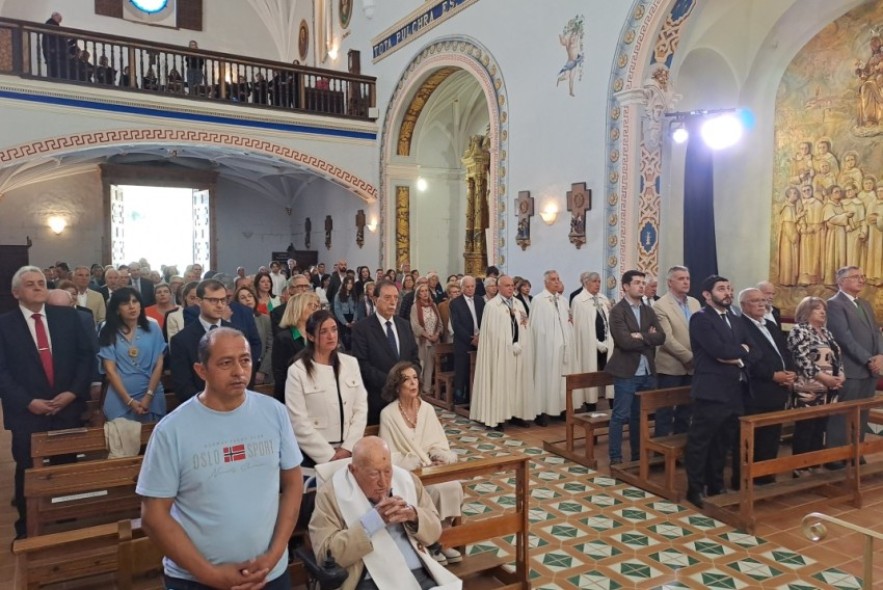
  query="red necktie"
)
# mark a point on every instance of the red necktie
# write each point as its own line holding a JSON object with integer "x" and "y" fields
{"x": 43, "y": 348}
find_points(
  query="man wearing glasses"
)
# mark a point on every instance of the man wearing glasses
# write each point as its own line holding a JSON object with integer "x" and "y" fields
{"x": 212, "y": 308}
{"x": 852, "y": 322}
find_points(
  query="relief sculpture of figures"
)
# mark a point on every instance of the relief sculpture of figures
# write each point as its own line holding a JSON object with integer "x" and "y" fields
{"x": 870, "y": 90}
{"x": 572, "y": 40}
{"x": 789, "y": 239}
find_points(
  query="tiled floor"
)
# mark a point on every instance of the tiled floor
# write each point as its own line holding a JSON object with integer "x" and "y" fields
{"x": 590, "y": 531}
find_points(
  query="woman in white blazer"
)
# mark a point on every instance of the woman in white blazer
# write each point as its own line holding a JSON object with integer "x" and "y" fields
{"x": 326, "y": 399}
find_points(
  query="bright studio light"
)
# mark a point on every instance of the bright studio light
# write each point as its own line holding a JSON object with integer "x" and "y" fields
{"x": 422, "y": 184}
{"x": 680, "y": 135}
{"x": 722, "y": 131}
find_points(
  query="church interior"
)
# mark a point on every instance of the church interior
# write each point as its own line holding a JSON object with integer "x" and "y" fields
{"x": 458, "y": 147}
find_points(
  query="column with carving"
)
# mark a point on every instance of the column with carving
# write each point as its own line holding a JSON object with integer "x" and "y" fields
{"x": 477, "y": 161}
{"x": 403, "y": 225}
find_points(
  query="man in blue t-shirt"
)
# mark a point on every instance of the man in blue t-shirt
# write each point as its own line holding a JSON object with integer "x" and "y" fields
{"x": 211, "y": 478}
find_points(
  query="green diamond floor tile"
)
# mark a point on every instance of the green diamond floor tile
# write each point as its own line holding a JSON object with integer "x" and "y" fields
{"x": 597, "y": 549}
{"x": 673, "y": 558}
{"x": 789, "y": 559}
{"x": 475, "y": 508}
{"x": 701, "y": 522}
{"x": 561, "y": 531}
{"x": 669, "y": 530}
{"x": 635, "y": 539}
{"x": 570, "y": 507}
{"x": 718, "y": 580}
{"x": 601, "y": 523}
{"x": 709, "y": 548}
{"x": 631, "y": 514}
{"x": 634, "y": 493}
{"x": 797, "y": 586}
{"x": 572, "y": 487}
{"x": 604, "y": 482}
{"x": 635, "y": 570}
{"x": 755, "y": 569}
{"x": 484, "y": 488}
{"x": 666, "y": 507}
{"x": 594, "y": 581}
{"x": 557, "y": 561}
{"x": 602, "y": 500}
{"x": 839, "y": 579}
{"x": 742, "y": 539}
{"x": 543, "y": 494}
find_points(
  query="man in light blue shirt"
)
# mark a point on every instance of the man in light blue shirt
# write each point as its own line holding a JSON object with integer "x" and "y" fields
{"x": 211, "y": 478}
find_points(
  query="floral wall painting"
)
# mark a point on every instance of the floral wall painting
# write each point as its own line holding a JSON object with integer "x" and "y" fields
{"x": 571, "y": 38}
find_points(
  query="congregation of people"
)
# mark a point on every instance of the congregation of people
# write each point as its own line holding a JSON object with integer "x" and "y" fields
{"x": 349, "y": 349}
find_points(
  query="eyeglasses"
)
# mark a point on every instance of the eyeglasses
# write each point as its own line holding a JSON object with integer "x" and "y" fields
{"x": 860, "y": 277}
{"x": 215, "y": 300}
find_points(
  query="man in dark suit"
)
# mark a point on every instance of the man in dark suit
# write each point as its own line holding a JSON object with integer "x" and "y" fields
{"x": 184, "y": 345}
{"x": 46, "y": 364}
{"x": 636, "y": 333}
{"x": 773, "y": 313}
{"x": 851, "y": 321}
{"x": 111, "y": 280}
{"x": 379, "y": 342}
{"x": 770, "y": 376}
{"x": 721, "y": 352}
{"x": 141, "y": 284}
{"x": 466, "y": 313}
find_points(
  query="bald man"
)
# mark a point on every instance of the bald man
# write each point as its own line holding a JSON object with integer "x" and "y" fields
{"x": 376, "y": 520}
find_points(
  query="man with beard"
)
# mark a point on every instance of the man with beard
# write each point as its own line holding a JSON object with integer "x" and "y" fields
{"x": 721, "y": 352}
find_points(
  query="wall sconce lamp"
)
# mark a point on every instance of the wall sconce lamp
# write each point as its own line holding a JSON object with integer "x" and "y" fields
{"x": 57, "y": 225}
{"x": 549, "y": 213}
{"x": 372, "y": 225}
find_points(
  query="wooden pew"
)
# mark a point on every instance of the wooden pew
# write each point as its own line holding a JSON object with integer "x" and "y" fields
{"x": 475, "y": 530}
{"x": 94, "y": 415}
{"x": 90, "y": 442}
{"x": 443, "y": 381}
{"x": 738, "y": 508}
{"x": 591, "y": 423}
{"x": 81, "y": 494}
{"x": 670, "y": 447}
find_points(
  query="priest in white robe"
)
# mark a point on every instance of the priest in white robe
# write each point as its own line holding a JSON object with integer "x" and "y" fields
{"x": 592, "y": 341}
{"x": 503, "y": 386}
{"x": 552, "y": 343}
{"x": 367, "y": 519}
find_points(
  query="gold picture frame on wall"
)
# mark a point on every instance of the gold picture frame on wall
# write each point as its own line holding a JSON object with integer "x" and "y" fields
{"x": 303, "y": 41}
{"x": 345, "y": 12}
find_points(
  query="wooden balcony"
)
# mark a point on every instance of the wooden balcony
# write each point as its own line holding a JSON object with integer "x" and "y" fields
{"x": 74, "y": 56}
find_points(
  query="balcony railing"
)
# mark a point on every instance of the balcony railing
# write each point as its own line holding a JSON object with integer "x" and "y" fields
{"x": 74, "y": 56}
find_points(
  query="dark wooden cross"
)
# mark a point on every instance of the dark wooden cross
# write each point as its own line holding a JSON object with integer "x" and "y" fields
{"x": 579, "y": 200}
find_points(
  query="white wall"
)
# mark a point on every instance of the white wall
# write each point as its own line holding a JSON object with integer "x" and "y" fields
{"x": 24, "y": 213}
{"x": 324, "y": 198}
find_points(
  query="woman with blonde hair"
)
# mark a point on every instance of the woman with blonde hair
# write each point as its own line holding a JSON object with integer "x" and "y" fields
{"x": 291, "y": 338}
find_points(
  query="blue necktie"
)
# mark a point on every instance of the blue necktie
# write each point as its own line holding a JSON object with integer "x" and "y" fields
{"x": 391, "y": 338}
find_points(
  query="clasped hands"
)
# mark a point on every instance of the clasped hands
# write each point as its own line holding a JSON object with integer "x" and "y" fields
{"x": 50, "y": 407}
{"x": 248, "y": 575}
{"x": 394, "y": 510}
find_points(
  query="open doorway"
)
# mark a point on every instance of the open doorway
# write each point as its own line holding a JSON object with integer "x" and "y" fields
{"x": 164, "y": 225}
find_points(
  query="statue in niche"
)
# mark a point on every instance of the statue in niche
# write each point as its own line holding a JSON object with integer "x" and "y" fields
{"x": 658, "y": 98}
{"x": 329, "y": 226}
{"x": 308, "y": 229}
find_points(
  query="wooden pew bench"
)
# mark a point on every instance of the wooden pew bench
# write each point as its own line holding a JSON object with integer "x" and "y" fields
{"x": 470, "y": 531}
{"x": 443, "y": 380}
{"x": 87, "y": 443}
{"x": 94, "y": 415}
{"x": 671, "y": 447}
{"x": 594, "y": 424}
{"x": 738, "y": 508}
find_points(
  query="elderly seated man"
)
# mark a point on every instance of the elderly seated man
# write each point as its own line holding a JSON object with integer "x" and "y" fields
{"x": 376, "y": 520}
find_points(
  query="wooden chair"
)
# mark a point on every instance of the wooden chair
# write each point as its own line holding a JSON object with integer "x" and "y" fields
{"x": 443, "y": 380}
{"x": 591, "y": 423}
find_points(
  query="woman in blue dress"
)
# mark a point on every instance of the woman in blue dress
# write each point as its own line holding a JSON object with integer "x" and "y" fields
{"x": 131, "y": 354}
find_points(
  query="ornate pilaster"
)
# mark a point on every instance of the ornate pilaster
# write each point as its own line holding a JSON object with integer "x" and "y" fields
{"x": 403, "y": 225}
{"x": 477, "y": 161}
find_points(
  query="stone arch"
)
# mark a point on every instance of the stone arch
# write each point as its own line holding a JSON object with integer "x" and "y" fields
{"x": 456, "y": 52}
{"x": 647, "y": 45}
{"x": 71, "y": 143}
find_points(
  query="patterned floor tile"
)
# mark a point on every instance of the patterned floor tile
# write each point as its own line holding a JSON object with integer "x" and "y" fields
{"x": 635, "y": 493}
{"x": 557, "y": 561}
{"x": 670, "y": 530}
{"x": 597, "y": 549}
{"x": 788, "y": 559}
{"x": 701, "y": 522}
{"x": 635, "y": 570}
{"x": 635, "y": 539}
{"x": 601, "y": 523}
{"x": 564, "y": 531}
{"x": 632, "y": 514}
{"x": 839, "y": 579}
{"x": 710, "y": 548}
{"x": 570, "y": 507}
{"x": 544, "y": 494}
{"x": 666, "y": 507}
{"x": 797, "y": 586}
{"x": 755, "y": 569}
{"x": 673, "y": 558}
{"x": 717, "y": 579}
{"x": 742, "y": 539}
{"x": 670, "y": 586}
{"x": 572, "y": 487}
{"x": 594, "y": 581}
{"x": 601, "y": 500}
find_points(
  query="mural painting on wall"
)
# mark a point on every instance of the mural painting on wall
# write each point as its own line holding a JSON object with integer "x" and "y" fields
{"x": 303, "y": 41}
{"x": 571, "y": 38}
{"x": 828, "y": 175}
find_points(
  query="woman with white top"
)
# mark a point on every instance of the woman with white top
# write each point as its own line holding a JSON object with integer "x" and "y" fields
{"x": 324, "y": 394}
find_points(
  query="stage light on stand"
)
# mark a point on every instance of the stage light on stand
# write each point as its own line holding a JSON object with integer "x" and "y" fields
{"x": 722, "y": 131}
{"x": 680, "y": 135}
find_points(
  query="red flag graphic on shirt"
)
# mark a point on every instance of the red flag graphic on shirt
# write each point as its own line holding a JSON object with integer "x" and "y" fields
{"x": 234, "y": 453}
